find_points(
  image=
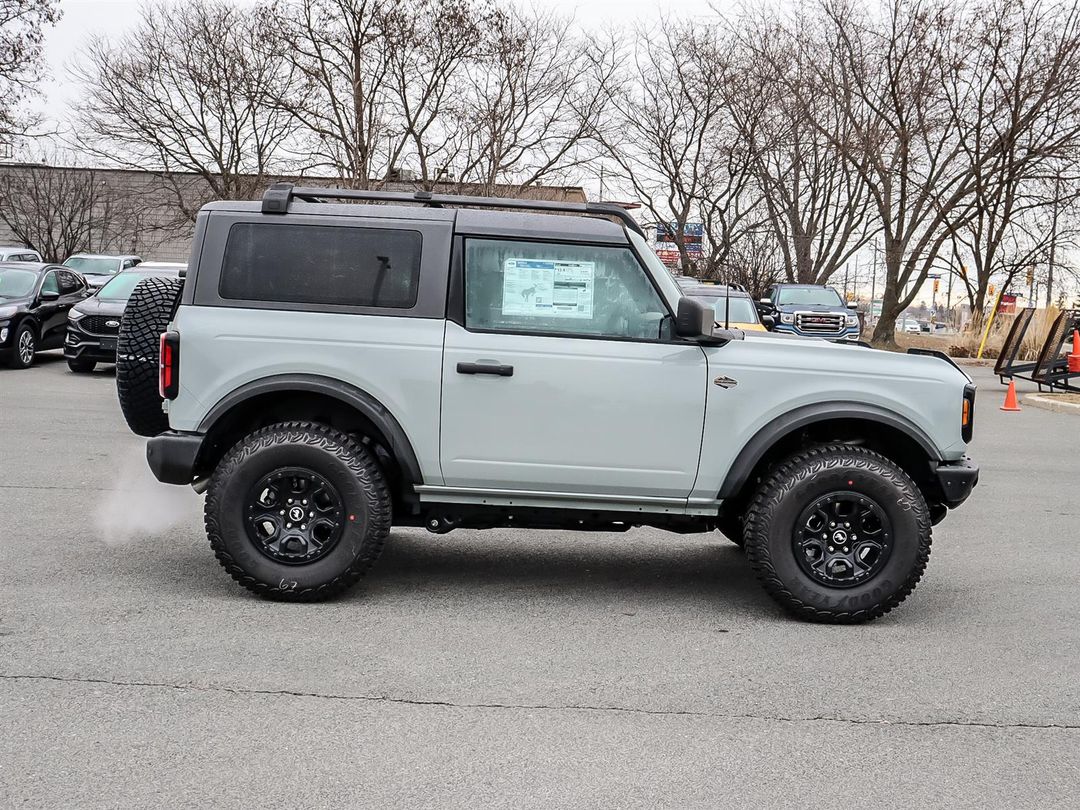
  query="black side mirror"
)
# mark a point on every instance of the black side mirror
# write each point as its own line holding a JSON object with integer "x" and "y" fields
{"x": 768, "y": 321}
{"x": 50, "y": 295}
{"x": 694, "y": 320}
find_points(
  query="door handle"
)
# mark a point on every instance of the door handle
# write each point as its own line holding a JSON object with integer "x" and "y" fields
{"x": 485, "y": 368}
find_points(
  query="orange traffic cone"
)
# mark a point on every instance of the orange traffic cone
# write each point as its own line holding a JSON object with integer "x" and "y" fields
{"x": 1076, "y": 341}
{"x": 1074, "y": 358}
{"x": 1010, "y": 398}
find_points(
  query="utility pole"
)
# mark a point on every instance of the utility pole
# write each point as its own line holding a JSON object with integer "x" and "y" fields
{"x": 873, "y": 279}
{"x": 1053, "y": 245}
{"x": 948, "y": 297}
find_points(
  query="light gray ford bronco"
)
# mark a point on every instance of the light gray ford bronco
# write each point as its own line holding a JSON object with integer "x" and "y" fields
{"x": 326, "y": 370}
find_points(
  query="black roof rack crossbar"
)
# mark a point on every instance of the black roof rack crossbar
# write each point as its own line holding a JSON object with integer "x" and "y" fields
{"x": 277, "y": 197}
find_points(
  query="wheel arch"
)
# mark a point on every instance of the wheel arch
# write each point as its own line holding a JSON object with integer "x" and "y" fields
{"x": 30, "y": 318}
{"x": 891, "y": 434}
{"x": 287, "y": 397}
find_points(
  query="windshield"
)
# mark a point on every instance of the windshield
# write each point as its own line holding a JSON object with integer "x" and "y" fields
{"x": 120, "y": 287}
{"x": 16, "y": 283}
{"x": 742, "y": 310}
{"x": 813, "y": 296}
{"x": 92, "y": 266}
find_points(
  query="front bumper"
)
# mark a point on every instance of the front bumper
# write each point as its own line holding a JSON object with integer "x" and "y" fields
{"x": 172, "y": 456}
{"x": 83, "y": 345}
{"x": 957, "y": 479}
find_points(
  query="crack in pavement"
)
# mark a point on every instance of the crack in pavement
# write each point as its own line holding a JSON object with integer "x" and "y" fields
{"x": 188, "y": 687}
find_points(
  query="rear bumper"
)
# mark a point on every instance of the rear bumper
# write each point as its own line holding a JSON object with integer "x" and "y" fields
{"x": 957, "y": 479}
{"x": 172, "y": 456}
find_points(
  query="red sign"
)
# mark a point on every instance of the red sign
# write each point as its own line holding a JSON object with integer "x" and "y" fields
{"x": 669, "y": 256}
{"x": 1008, "y": 304}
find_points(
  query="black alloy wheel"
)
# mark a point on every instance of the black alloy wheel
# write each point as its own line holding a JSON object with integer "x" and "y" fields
{"x": 842, "y": 539}
{"x": 294, "y": 516}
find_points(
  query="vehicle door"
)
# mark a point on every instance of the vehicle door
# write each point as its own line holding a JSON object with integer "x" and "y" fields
{"x": 51, "y": 311}
{"x": 561, "y": 374}
{"x": 73, "y": 289}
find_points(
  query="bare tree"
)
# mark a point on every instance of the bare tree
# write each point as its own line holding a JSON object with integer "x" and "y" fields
{"x": 57, "y": 211}
{"x": 529, "y": 103}
{"x": 907, "y": 86}
{"x": 22, "y": 25}
{"x": 343, "y": 108}
{"x": 184, "y": 94}
{"x": 817, "y": 201}
{"x": 1014, "y": 62}
{"x": 673, "y": 143}
{"x": 433, "y": 90}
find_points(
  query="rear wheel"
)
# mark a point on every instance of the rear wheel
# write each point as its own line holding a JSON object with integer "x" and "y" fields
{"x": 838, "y": 534}
{"x": 297, "y": 511}
{"x": 149, "y": 310}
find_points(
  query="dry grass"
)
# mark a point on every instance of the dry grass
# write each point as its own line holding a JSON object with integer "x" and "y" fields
{"x": 966, "y": 344}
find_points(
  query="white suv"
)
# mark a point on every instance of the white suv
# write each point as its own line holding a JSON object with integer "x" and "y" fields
{"x": 331, "y": 369}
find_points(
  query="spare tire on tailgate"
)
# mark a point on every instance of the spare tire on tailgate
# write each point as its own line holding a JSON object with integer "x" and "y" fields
{"x": 149, "y": 310}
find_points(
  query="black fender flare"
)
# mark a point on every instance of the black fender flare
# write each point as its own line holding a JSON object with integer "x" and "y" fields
{"x": 755, "y": 449}
{"x": 361, "y": 400}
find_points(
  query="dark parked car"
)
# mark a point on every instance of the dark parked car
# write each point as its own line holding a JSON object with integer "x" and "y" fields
{"x": 93, "y": 325}
{"x": 98, "y": 269}
{"x": 34, "y": 303}
{"x": 811, "y": 310}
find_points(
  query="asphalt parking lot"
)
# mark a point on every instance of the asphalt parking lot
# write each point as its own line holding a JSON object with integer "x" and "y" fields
{"x": 507, "y": 668}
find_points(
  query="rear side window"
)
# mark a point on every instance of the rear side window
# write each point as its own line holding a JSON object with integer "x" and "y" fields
{"x": 69, "y": 282}
{"x": 315, "y": 264}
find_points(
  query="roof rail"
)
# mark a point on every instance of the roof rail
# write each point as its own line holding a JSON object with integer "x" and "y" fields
{"x": 276, "y": 200}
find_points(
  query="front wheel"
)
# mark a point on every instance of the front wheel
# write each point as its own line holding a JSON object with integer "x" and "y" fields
{"x": 24, "y": 347}
{"x": 838, "y": 534}
{"x": 297, "y": 511}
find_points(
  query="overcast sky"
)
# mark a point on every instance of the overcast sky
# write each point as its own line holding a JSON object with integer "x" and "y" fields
{"x": 83, "y": 18}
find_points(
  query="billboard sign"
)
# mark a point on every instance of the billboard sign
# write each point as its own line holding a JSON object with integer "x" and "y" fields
{"x": 668, "y": 249}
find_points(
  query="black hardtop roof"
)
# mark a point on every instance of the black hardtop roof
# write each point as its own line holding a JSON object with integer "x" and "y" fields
{"x": 494, "y": 216}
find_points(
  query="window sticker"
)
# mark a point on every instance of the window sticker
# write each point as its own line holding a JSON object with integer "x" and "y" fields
{"x": 554, "y": 289}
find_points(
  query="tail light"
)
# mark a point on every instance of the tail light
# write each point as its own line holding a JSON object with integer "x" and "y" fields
{"x": 169, "y": 366}
{"x": 967, "y": 419}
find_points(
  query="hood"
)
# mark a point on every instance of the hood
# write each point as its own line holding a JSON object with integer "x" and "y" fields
{"x": 839, "y": 357}
{"x": 97, "y": 280}
{"x": 100, "y": 306}
{"x": 20, "y": 304}
{"x": 812, "y": 308}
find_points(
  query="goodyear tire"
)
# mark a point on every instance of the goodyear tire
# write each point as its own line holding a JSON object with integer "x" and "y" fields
{"x": 297, "y": 511}
{"x": 838, "y": 534}
{"x": 149, "y": 310}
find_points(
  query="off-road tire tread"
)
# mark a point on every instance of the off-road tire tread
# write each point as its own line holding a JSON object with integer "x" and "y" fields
{"x": 349, "y": 450}
{"x": 807, "y": 464}
{"x": 152, "y": 305}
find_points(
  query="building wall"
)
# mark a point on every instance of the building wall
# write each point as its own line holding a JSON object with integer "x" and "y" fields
{"x": 143, "y": 213}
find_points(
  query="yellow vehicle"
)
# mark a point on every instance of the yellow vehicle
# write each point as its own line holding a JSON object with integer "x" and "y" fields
{"x": 742, "y": 312}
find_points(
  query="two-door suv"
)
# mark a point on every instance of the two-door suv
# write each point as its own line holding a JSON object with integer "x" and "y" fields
{"x": 331, "y": 369}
